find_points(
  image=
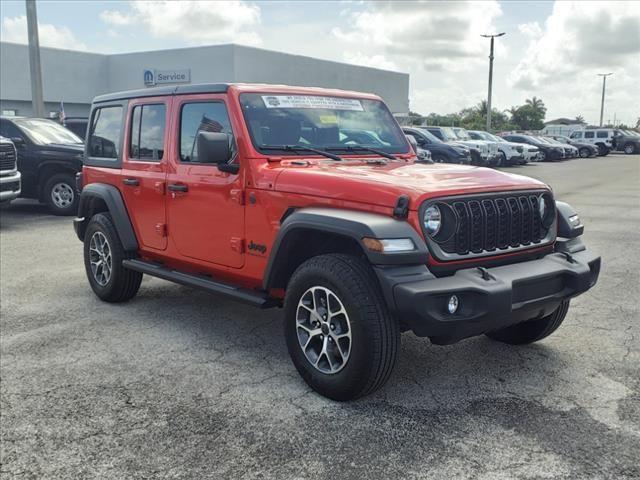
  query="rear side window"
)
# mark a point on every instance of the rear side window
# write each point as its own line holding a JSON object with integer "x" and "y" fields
{"x": 146, "y": 141}
{"x": 104, "y": 140}
{"x": 202, "y": 117}
{"x": 602, "y": 134}
{"x": 588, "y": 134}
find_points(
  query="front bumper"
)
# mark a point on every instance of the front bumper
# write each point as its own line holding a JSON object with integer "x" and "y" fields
{"x": 489, "y": 299}
{"x": 10, "y": 187}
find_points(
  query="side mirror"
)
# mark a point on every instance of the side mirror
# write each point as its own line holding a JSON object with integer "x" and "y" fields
{"x": 18, "y": 141}
{"x": 215, "y": 147}
{"x": 413, "y": 142}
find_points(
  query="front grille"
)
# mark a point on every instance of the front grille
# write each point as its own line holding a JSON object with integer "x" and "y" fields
{"x": 490, "y": 224}
{"x": 7, "y": 157}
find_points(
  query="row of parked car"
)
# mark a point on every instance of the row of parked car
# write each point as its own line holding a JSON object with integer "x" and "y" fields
{"x": 50, "y": 154}
{"x": 475, "y": 147}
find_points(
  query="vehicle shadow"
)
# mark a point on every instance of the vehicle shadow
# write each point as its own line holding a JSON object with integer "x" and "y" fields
{"x": 23, "y": 212}
{"x": 426, "y": 376}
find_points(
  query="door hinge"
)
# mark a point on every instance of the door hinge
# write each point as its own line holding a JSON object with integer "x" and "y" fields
{"x": 237, "y": 195}
{"x": 161, "y": 229}
{"x": 237, "y": 244}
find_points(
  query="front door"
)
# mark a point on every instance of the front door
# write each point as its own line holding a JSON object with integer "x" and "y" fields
{"x": 144, "y": 170}
{"x": 205, "y": 205}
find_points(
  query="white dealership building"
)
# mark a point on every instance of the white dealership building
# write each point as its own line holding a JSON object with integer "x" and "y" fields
{"x": 75, "y": 77}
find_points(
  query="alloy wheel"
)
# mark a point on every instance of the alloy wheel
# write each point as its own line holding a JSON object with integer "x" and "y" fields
{"x": 100, "y": 258}
{"x": 323, "y": 330}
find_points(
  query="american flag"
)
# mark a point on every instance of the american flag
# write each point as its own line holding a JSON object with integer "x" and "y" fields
{"x": 62, "y": 116}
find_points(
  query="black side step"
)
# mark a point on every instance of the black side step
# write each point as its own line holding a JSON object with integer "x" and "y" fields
{"x": 257, "y": 299}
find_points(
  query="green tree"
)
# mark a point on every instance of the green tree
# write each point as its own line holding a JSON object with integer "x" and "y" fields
{"x": 537, "y": 104}
{"x": 579, "y": 119}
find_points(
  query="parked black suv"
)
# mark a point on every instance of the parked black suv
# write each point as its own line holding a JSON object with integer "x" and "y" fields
{"x": 440, "y": 152}
{"x": 627, "y": 142}
{"x": 584, "y": 149}
{"x": 547, "y": 150}
{"x": 49, "y": 156}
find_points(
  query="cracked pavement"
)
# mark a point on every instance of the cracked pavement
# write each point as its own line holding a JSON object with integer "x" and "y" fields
{"x": 181, "y": 384}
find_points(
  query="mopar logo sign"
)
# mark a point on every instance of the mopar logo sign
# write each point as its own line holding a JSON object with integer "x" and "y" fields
{"x": 158, "y": 77}
{"x": 149, "y": 77}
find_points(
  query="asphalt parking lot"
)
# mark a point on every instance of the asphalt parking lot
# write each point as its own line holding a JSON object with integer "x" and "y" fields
{"x": 181, "y": 384}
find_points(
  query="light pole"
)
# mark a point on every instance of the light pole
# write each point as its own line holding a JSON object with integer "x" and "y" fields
{"x": 490, "y": 78}
{"x": 604, "y": 83}
{"x": 34, "y": 60}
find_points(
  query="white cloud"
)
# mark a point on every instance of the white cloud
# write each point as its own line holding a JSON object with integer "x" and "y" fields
{"x": 14, "y": 29}
{"x": 531, "y": 29}
{"x": 374, "y": 61}
{"x": 432, "y": 35}
{"x": 116, "y": 18}
{"x": 195, "y": 22}
{"x": 579, "y": 37}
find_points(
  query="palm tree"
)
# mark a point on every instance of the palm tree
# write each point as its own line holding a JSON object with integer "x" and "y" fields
{"x": 580, "y": 119}
{"x": 537, "y": 104}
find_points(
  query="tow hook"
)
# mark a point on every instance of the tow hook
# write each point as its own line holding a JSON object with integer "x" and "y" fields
{"x": 484, "y": 273}
{"x": 569, "y": 258}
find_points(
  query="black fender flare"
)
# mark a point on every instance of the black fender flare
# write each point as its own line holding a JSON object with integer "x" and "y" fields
{"x": 352, "y": 224}
{"x": 569, "y": 223}
{"x": 112, "y": 198}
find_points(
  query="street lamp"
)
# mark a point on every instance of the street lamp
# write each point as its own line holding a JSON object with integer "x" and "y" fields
{"x": 490, "y": 77}
{"x": 604, "y": 83}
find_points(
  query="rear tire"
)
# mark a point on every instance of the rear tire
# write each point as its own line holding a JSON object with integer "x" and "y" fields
{"x": 603, "y": 150}
{"x": 629, "y": 149}
{"x": 531, "y": 330}
{"x": 103, "y": 256}
{"x": 333, "y": 365}
{"x": 60, "y": 195}
{"x": 584, "y": 152}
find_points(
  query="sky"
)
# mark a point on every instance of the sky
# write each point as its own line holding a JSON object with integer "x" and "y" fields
{"x": 551, "y": 50}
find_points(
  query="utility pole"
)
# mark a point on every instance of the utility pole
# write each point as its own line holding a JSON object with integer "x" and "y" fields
{"x": 34, "y": 60}
{"x": 492, "y": 37}
{"x": 604, "y": 84}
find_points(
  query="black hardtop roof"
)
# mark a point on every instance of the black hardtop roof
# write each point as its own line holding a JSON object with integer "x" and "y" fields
{"x": 163, "y": 91}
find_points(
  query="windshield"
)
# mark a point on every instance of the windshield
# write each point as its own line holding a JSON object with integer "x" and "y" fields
{"x": 320, "y": 122}
{"x": 461, "y": 134}
{"x": 449, "y": 134}
{"x": 429, "y": 136}
{"x": 44, "y": 132}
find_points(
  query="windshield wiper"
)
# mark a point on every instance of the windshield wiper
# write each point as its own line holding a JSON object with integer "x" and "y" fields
{"x": 302, "y": 148}
{"x": 354, "y": 148}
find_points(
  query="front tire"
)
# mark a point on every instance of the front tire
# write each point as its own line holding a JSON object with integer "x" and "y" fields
{"x": 603, "y": 150}
{"x": 531, "y": 330}
{"x": 60, "y": 195}
{"x": 339, "y": 333}
{"x": 103, "y": 256}
{"x": 584, "y": 152}
{"x": 629, "y": 149}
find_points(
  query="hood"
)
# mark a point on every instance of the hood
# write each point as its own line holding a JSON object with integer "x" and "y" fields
{"x": 382, "y": 184}
{"x": 63, "y": 148}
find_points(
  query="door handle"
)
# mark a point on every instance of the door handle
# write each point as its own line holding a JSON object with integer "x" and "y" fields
{"x": 132, "y": 182}
{"x": 178, "y": 187}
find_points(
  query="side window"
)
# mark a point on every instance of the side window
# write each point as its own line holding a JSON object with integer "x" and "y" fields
{"x": 419, "y": 139}
{"x": 146, "y": 141}
{"x": 438, "y": 134}
{"x": 202, "y": 117}
{"x": 588, "y": 134}
{"x": 9, "y": 130}
{"x": 602, "y": 134}
{"x": 576, "y": 135}
{"x": 104, "y": 140}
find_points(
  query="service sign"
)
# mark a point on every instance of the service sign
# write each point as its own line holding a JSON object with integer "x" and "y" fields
{"x": 159, "y": 77}
{"x": 311, "y": 101}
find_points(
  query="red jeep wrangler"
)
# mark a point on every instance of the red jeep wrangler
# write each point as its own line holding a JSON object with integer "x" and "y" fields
{"x": 310, "y": 199}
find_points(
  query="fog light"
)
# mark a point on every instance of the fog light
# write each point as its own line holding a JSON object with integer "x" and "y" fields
{"x": 452, "y": 306}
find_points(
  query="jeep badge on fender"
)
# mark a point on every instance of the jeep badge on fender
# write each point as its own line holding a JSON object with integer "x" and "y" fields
{"x": 364, "y": 243}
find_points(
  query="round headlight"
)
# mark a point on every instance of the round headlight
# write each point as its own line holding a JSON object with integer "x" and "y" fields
{"x": 432, "y": 220}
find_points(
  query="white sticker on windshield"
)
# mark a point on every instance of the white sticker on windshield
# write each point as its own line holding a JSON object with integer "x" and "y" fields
{"x": 311, "y": 101}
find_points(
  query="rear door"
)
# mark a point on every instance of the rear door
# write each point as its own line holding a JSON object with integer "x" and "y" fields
{"x": 144, "y": 169}
{"x": 205, "y": 205}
